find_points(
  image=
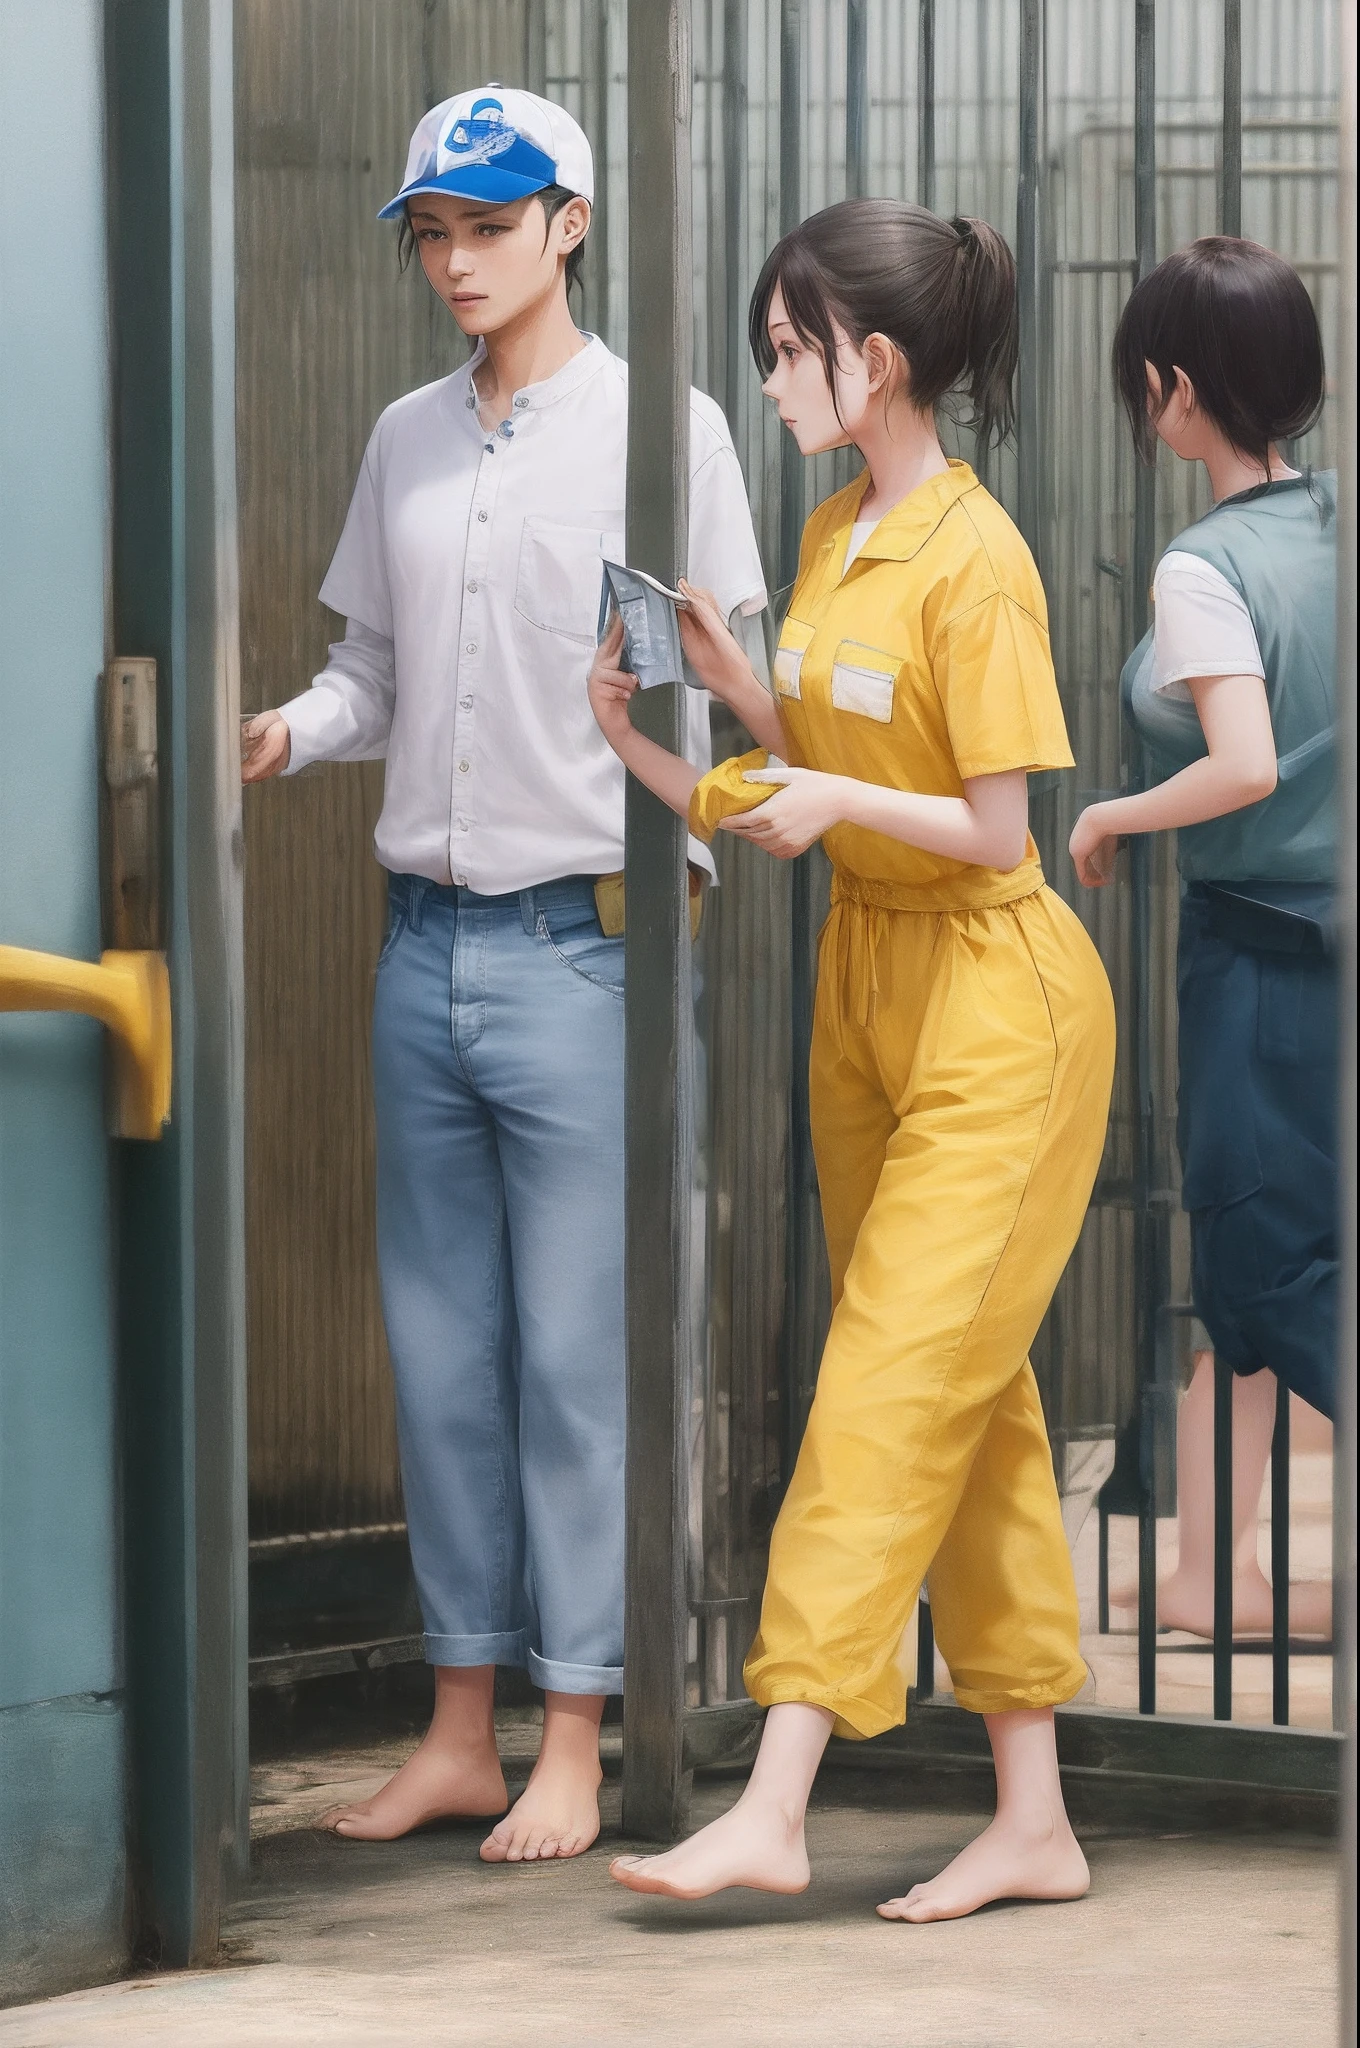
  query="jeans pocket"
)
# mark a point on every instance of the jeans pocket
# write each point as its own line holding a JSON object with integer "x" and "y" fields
{"x": 581, "y": 946}
{"x": 396, "y": 925}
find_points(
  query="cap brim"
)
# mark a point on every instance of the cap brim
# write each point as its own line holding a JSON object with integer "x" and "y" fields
{"x": 478, "y": 181}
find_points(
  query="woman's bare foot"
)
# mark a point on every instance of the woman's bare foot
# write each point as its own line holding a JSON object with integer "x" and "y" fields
{"x": 558, "y": 1812}
{"x": 756, "y": 1845}
{"x": 1005, "y": 1861}
{"x": 1186, "y": 1601}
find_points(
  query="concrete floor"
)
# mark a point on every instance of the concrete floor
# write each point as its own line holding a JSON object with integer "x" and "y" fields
{"x": 1195, "y": 1940}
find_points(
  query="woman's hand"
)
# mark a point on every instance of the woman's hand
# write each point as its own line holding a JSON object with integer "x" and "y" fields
{"x": 712, "y": 651}
{"x": 1093, "y": 847}
{"x": 609, "y": 687}
{"x": 268, "y": 744}
{"x": 808, "y": 805}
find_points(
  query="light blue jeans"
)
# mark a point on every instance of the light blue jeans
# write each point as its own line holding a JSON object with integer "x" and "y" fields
{"x": 498, "y": 1082}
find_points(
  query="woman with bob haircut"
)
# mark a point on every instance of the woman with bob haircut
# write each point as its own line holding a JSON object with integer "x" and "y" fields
{"x": 963, "y": 1049}
{"x": 1232, "y": 693}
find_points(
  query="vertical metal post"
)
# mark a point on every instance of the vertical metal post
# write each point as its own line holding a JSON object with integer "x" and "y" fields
{"x": 1343, "y": 1492}
{"x": 925, "y": 1652}
{"x": 925, "y": 103}
{"x": 660, "y": 1010}
{"x": 790, "y": 213}
{"x": 1230, "y": 195}
{"x": 1223, "y": 1540}
{"x": 1147, "y": 1223}
{"x": 1028, "y": 444}
{"x": 1279, "y": 1558}
{"x": 856, "y": 98}
{"x": 734, "y": 90}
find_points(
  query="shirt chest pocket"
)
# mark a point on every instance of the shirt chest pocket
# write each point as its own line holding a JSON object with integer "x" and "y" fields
{"x": 794, "y": 641}
{"x": 863, "y": 680}
{"x": 557, "y": 583}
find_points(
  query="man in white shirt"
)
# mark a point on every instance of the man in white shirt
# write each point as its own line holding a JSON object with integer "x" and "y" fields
{"x": 469, "y": 574}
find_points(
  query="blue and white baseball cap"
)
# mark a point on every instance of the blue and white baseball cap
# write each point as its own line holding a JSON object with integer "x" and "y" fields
{"x": 496, "y": 144}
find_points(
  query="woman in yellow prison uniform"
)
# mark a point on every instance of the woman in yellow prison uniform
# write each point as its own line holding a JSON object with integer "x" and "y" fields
{"x": 962, "y": 1057}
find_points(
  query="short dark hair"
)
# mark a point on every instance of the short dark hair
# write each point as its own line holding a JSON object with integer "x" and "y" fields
{"x": 942, "y": 290}
{"x": 554, "y": 198}
{"x": 1237, "y": 319}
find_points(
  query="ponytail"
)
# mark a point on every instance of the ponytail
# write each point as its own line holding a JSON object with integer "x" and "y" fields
{"x": 990, "y": 328}
{"x": 943, "y": 292}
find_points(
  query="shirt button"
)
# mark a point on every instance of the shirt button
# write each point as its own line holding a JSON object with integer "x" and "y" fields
{"x": 462, "y": 824}
{"x": 471, "y": 647}
{"x": 473, "y": 588}
{"x": 460, "y": 881}
{"x": 463, "y": 767}
{"x": 481, "y": 519}
{"x": 466, "y": 703}
{"x": 520, "y": 403}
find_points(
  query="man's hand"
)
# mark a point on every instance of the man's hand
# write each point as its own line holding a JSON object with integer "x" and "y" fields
{"x": 808, "y": 805}
{"x": 266, "y": 745}
{"x": 1093, "y": 848}
{"x": 609, "y": 687}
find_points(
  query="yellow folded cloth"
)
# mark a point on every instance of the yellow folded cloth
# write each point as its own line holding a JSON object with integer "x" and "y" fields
{"x": 723, "y": 793}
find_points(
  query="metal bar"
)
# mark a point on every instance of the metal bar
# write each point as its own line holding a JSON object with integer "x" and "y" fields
{"x": 734, "y": 90}
{"x": 925, "y": 97}
{"x": 1279, "y": 1558}
{"x": 1028, "y": 442}
{"x": 790, "y": 213}
{"x": 1223, "y": 1540}
{"x": 660, "y": 1009}
{"x": 1230, "y": 192}
{"x": 1343, "y": 1490}
{"x": 856, "y": 98}
{"x": 925, "y": 1651}
{"x": 1145, "y": 1222}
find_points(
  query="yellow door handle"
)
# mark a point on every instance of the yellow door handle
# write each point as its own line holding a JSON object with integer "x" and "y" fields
{"x": 130, "y": 993}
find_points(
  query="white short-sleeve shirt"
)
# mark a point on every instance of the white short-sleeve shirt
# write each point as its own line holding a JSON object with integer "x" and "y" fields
{"x": 469, "y": 573}
{"x": 1201, "y": 626}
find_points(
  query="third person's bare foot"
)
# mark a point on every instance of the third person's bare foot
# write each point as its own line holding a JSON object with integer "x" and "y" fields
{"x": 435, "y": 1783}
{"x": 1006, "y": 1861}
{"x": 1186, "y": 1601}
{"x": 753, "y": 1845}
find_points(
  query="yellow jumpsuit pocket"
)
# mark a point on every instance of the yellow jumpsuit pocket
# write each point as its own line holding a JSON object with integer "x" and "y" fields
{"x": 794, "y": 642}
{"x": 863, "y": 679}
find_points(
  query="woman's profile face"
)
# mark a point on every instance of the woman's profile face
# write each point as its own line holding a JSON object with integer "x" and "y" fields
{"x": 799, "y": 387}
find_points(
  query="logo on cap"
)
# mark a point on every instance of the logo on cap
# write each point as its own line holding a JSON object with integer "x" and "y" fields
{"x": 482, "y": 135}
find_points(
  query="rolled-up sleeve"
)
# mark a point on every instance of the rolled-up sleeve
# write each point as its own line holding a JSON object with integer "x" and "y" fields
{"x": 347, "y": 713}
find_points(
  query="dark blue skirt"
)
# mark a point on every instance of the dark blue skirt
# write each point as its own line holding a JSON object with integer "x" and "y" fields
{"x": 1258, "y": 1127}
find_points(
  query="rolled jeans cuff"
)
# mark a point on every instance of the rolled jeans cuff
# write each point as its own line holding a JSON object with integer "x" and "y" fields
{"x": 592, "y": 1679}
{"x": 507, "y": 1647}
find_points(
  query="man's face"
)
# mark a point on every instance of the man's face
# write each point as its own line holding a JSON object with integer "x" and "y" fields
{"x": 493, "y": 264}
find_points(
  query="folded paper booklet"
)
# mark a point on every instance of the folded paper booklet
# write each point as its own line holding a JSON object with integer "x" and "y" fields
{"x": 651, "y": 629}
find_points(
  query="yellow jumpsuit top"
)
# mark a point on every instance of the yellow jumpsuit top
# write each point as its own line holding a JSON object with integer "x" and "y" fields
{"x": 962, "y": 1056}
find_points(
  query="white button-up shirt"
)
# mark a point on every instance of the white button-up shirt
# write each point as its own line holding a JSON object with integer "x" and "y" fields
{"x": 469, "y": 574}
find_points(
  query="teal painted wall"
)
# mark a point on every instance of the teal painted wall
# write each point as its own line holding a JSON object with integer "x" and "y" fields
{"x": 62, "y": 1799}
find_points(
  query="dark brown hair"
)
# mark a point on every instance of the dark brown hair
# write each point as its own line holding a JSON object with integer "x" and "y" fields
{"x": 943, "y": 291}
{"x": 1237, "y": 319}
{"x": 554, "y": 198}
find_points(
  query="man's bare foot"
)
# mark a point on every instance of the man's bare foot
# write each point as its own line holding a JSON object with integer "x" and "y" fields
{"x": 1186, "y": 1601}
{"x": 435, "y": 1783}
{"x": 1004, "y": 1862}
{"x": 753, "y": 1845}
{"x": 557, "y": 1814}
